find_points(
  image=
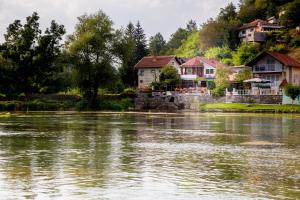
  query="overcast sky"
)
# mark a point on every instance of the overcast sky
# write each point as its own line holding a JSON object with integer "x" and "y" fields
{"x": 163, "y": 16}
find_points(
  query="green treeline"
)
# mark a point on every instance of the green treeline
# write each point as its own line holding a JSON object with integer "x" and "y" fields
{"x": 97, "y": 59}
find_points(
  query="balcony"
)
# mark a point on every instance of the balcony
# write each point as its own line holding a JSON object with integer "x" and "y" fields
{"x": 267, "y": 68}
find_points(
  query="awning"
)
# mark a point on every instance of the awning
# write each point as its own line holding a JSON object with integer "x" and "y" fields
{"x": 257, "y": 80}
{"x": 188, "y": 77}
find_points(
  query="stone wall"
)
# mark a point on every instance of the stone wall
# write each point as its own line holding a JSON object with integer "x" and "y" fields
{"x": 259, "y": 99}
{"x": 192, "y": 102}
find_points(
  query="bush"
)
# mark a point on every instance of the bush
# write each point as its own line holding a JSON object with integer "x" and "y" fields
{"x": 295, "y": 42}
{"x": 278, "y": 48}
{"x": 7, "y": 106}
{"x": 82, "y": 105}
{"x": 2, "y": 97}
{"x": 129, "y": 93}
{"x": 115, "y": 105}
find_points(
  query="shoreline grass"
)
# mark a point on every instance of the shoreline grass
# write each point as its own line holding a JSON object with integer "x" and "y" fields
{"x": 259, "y": 108}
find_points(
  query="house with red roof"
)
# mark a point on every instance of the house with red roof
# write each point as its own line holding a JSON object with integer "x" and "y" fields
{"x": 278, "y": 68}
{"x": 198, "y": 68}
{"x": 256, "y": 30}
{"x": 149, "y": 68}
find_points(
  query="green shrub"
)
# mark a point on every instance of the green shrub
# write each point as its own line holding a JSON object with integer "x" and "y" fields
{"x": 295, "y": 42}
{"x": 82, "y": 105}
{"x": 278, "y": 48}
{"x": 7, "y": 106}
{"x": 129, "y": 93}
{"x": 115, "y": 105}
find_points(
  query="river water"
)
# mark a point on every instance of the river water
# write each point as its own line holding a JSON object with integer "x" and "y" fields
{"x": 149, "y": 156}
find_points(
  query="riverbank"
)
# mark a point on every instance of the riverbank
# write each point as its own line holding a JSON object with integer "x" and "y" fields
{"x": 66, "y": 105}
{"x": 255, "y": 108}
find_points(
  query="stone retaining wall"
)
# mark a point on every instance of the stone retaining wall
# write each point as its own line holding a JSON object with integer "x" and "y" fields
{"x": 259, "y": 99}
{"x": 192, "y": 102}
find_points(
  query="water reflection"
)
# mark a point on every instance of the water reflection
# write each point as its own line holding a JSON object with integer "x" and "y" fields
{"x": 147, "y": 156}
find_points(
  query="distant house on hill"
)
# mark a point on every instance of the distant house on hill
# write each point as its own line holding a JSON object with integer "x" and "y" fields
{"x": 149, "y": 68}
{"x": 278, "y": 68}
{"x": 198, "y": 68}
{"x": 255, "y": 31}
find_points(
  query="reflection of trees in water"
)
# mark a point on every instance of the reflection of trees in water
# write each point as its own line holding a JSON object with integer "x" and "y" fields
{"x": 31, "y": 151}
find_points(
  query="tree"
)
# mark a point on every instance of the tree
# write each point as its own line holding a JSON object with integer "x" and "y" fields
{"x": 169, "y": 77}
{"x": 91, "y": 47}
{"x": 291, "y": 16}
{"x": 292, "y": 91}
{"x": 228, "y": 13}
{"x": 125, "y": 47}
{"x": 176, "y": 40}
{"x": 190, "y": 47}
{"x": 245, "y": 53}
{"x": 156, "y": 44}
{"x": 32, "y": 54}
{"x": 220, "y": 53}
{"x": 191, "y": 26}
{"x": 218, "y": 33}
{"x": 243, "y": 75}
{"x": 141, "y": 42}
{"x": 221, "y": 81}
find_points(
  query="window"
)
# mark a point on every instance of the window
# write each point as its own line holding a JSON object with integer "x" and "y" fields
{"x": 209, "y": 71}
{"x": 189, "y": 71}
{"x": 141, "y": 72}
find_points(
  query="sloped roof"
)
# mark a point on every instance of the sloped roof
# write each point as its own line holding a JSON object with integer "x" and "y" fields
{"x": 193, "y": 62}
{"x": 212, "y": 62}
{"x": 282, "y": 58}
{"x": 154, "y": 61}
{"x": 256, "y": 22}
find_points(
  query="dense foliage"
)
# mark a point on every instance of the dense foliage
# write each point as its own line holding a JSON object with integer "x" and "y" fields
{"x": 28, "y": 57}
{"x": 292, "y": 91}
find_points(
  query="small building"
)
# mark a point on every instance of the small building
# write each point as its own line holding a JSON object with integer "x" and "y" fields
{"x": 200, "y": 70}
{"x": 255, "y": 31}
{"x": 277, "y": 68}
{"x": 149, "y": 68}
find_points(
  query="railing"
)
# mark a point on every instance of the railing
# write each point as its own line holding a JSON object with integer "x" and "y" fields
{"x": 259, "y": 91}
{"x": 267, "y": 68}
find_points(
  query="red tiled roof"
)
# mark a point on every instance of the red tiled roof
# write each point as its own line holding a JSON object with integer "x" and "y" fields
{"x": 212, "y": 62}
{"x": 154, "y": 61}
{"x": 255, "y": 24}
{"x": 194, "y": 62}
{"x": 284, "y": 59}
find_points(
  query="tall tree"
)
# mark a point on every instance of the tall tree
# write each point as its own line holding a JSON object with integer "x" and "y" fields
{"x": 91, "y": 47}
{"x": 291, "y": 16}
{"x": 228, "y": 13}
{"x": 191, "y": 26}
{"x": 176, "y": 40}
{"x": 126, "y": 50}
{"x": 141, "y": 42}
{"x": 32, "y": 54}
{"x": 156, "y": 44}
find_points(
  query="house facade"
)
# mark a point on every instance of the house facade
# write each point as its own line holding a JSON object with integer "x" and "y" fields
{"x": 256, "y": 31}
{"x": 200, "y": 70}
{"x": 276, "y": 67}
{"x": 149, "y": 68}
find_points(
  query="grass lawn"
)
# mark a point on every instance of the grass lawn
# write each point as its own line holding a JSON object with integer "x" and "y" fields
{"x": 251, "y": 108}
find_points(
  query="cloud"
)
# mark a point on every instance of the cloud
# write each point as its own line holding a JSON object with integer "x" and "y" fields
{"x": 163, "y": 16}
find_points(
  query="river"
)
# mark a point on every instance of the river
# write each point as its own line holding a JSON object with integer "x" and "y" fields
{"x": 151, "y": 156}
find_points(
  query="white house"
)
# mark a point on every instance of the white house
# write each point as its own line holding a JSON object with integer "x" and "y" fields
{"x": 149, "y": 68}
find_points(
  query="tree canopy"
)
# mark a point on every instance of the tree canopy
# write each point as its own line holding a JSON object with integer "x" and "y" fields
{"x": 91, "y": 47}
{"x": 30, "y": 55}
